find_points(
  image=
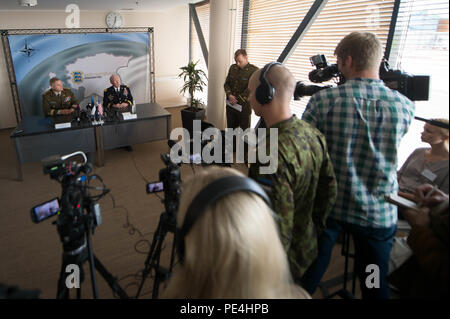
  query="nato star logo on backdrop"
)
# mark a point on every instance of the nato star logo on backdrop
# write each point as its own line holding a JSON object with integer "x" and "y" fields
{"x": 27, "y": 50}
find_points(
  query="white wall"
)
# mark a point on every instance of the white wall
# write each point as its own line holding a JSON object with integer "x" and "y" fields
{"x": 171, "y": 40}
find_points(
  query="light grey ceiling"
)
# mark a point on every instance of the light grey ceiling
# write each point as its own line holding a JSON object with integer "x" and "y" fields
{"x": 102, "y": 5}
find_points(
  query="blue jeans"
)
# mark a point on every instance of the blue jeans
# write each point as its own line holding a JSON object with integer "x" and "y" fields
{"x": 372, "y": 246}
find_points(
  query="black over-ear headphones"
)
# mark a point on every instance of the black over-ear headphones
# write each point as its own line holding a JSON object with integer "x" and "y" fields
{"x": 209, "y": 195}
{"x": 265, "y": 91}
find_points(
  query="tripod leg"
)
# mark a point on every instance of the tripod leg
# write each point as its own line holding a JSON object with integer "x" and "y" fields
{"x": 158, "y": 270}
{"x": 62, "y": 291}
{"x": 165, "y": 225}
{"x": 112, "y": 281}
{"x": 172, "y": 256}
{"x": 90, "y": 257}
{"x": 148, "y": 263}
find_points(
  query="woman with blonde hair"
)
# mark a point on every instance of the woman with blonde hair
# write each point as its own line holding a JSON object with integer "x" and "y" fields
{"x": 232, "y": 248}
{"x": 427, "y": 165}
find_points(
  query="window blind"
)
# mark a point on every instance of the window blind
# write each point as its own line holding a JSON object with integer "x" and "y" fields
{"x": 421, "y": 47}
{"x": 273, "y": 22}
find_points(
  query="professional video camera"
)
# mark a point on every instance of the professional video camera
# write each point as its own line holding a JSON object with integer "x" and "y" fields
{"x": 324, "y": 71}
{"x": 302, "y": 90}
{"x": 170, "y": 183}
{"x": 414, "y": 87}
{"x": 74, "y": 198}
{"x": 78, "y": 213}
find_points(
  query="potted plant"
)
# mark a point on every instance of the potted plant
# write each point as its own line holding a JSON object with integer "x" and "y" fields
{"x": 193, "y": 81}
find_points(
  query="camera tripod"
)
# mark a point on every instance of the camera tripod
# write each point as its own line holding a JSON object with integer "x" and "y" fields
{"x": 78, "y": 257}
{"x": 344, "y": 293}
{"x": 167, "y": 223}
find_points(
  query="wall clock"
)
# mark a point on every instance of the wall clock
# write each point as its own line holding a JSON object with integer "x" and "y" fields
{"x": 114, "y": 20}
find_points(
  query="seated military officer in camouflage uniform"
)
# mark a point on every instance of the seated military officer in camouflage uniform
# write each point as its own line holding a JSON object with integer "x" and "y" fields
{"x": 58, "y": 100}
{"x": 303, "y": 188}
{"x": 117, "y": 96}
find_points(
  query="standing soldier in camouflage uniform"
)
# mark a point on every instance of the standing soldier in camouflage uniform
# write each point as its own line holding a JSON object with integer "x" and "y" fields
{"x": 236, "y": 89}
{"x": 58, "y": 100}
{"x": 303, "y": 188}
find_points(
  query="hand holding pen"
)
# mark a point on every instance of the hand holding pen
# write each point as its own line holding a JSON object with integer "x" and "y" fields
{"x": 428, "y": 195}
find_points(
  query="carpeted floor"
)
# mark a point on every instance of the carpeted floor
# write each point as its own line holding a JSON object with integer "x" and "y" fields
{"x": 31, "y": 254}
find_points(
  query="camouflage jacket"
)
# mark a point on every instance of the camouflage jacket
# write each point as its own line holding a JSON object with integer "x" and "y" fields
{"x": 236, "y": 84}
{"x": 303, "y": 189}
{"x": 51, "y": 103}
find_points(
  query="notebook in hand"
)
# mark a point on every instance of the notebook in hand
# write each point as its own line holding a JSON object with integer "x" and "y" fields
{"x": 401, "y": 201}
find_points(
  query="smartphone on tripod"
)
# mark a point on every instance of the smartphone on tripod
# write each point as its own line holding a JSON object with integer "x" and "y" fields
{"x": 155, "y": 187}
{"x": 45, "y": 210}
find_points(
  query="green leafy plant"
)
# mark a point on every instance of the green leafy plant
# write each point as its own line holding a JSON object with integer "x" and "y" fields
{"x": 193, "y": 81}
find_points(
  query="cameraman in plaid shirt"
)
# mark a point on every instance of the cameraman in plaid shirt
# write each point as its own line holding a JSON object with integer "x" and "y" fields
{"x": 363, "y": 122}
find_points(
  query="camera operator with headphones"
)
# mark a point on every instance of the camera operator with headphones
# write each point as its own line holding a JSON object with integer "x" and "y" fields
{"x": 303, "y": 187}
{"x": 228, "y": 244}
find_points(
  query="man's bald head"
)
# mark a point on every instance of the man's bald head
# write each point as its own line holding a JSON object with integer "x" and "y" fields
{"x": 280, "y": 78}
{"x": 115, "y": 80}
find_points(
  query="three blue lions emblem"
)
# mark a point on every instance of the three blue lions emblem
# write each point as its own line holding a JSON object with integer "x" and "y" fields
{"x": 77, "y": 77}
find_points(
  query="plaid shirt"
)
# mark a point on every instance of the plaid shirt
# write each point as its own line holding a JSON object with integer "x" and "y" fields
{"x": 363, "y": 122}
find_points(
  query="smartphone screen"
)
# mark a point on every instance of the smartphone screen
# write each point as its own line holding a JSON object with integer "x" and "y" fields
{"x": 155, "y": 187}
{"x": 45, "y": 210}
